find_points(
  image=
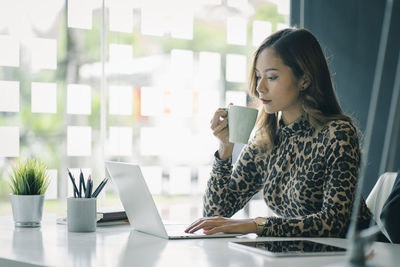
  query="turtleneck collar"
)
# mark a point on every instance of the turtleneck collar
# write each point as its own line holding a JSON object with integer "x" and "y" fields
{"x": 301, "y": 125}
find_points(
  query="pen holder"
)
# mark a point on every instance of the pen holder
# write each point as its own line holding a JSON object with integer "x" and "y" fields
{"x": 81, "y": 214}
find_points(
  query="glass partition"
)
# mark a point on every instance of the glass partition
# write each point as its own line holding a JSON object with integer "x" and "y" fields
{"x": 82, "y": 82}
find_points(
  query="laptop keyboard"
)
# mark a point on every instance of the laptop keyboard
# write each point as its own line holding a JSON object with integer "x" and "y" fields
{"x": 179, "y": 230}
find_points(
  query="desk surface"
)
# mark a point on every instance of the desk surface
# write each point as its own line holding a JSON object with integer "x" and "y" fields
{"x": 53, "y": 245}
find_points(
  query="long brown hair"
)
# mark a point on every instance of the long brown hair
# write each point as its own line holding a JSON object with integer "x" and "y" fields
{"x": 301, "y": 52}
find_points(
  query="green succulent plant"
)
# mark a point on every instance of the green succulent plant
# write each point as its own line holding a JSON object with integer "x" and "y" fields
{"x": 29, "y": 177}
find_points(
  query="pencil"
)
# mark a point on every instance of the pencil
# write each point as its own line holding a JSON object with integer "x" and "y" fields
{"x": 82, "y": 179}
{"x": 100, "y": 187}
{"x": 89, "y": 180}
{"x": 80, "y": 187}
{"x": 91, "y": 187}
{"x": 76, "y": 192}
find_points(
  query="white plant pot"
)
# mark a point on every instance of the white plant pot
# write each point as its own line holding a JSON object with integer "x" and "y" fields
{"x": 27, "y": 210}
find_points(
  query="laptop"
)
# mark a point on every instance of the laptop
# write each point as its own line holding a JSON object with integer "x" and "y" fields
{"x": 140, "y": 207}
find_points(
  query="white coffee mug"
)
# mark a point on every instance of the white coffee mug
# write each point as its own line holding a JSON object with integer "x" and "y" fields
{"x": 241, "y": 121}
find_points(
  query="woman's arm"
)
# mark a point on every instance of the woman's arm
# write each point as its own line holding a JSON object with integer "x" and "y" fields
{"x": 228, "y": 191}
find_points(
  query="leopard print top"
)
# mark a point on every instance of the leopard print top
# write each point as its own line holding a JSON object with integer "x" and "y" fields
{"x": 308, "y": 180}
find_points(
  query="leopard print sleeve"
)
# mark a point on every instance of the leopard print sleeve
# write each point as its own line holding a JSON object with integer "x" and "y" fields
{"x": 229, "y": 190}
{"x": 342, "y": 157}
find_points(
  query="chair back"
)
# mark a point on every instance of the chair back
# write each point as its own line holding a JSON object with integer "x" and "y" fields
{"x": 378, "y": 196}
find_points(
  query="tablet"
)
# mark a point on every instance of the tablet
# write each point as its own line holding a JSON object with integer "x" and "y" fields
{"x": 288, "y": 248}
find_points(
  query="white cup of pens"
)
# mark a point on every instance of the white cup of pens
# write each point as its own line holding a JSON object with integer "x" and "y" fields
{"x": 81, "y": 209}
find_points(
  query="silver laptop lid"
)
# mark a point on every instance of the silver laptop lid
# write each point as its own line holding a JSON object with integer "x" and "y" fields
{"x": 136, "y": 198}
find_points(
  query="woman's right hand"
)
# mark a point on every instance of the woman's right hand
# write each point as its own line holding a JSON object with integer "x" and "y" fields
{"x": 219, "y": 126}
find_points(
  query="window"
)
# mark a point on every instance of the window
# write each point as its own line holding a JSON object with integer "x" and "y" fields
{"x": 139, "y": 85}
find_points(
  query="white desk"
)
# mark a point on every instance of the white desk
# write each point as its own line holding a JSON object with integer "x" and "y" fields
{"x": 53, "y": 245}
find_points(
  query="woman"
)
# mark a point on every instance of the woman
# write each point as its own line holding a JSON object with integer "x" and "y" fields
{"x": 304, "y": 156}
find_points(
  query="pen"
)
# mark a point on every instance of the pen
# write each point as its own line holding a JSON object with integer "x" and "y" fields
{"x": 100, "y": 187}
{"x": 73, "y": 183}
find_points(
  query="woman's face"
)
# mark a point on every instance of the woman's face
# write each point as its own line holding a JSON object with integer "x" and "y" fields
{"x": 277, "y": 87}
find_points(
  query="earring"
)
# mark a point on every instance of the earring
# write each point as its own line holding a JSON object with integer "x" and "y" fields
{"x": 303, "y": 107}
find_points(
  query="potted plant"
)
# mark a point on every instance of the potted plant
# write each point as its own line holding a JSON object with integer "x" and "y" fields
{"x": 29, "y": 182}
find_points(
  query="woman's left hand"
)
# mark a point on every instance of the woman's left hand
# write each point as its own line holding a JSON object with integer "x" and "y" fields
{"x": 212, "y": 225}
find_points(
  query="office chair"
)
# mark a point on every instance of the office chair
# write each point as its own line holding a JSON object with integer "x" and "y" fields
{"x": 378, "y": 196}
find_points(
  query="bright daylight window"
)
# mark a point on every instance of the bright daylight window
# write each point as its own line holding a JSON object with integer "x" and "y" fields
{"x": 138, "y": 82}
